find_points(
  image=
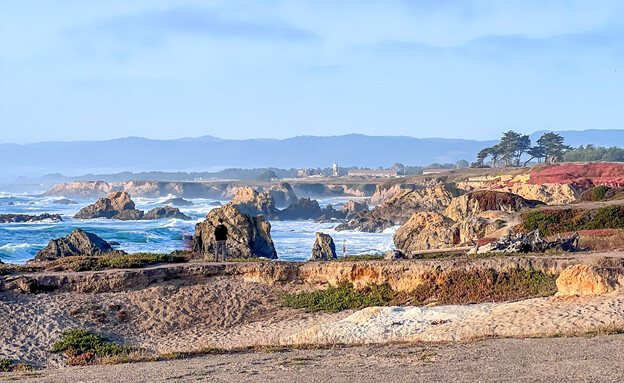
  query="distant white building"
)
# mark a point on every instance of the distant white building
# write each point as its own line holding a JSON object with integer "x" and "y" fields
{"x": 335, "y": 168}
{"x": 436, "y": 171}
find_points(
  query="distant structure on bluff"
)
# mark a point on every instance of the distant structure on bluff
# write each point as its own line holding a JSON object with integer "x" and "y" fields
{"x": 373, "y": 173}
{"x": 335, "y": 168}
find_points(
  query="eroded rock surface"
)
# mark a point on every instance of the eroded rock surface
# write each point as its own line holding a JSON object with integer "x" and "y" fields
{"x": 426, "y": 230}
{"x": 583, "y": 280}
{"x": 473, "y": 203}
{"x": 304, "y": 208}
{"x": 248, "y": 236}
{"x": 249, "y": 201}
{"x": 324, "y": 248}
{"x": 77, "y": 243}
{"x": 283, "y": 194}
{"x": 399, "y": 209}
{"x": 117, "y": 205}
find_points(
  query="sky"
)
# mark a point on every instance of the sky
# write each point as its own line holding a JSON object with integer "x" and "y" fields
{"x": 162, "y": 69}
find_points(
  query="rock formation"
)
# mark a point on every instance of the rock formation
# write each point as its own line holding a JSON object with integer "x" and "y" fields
{"x": 178, "y": 202}
{"x": 582, "y": 280}
{"x": 165, "y": 212}
{"x": 283, "y": 194}
{"x": 304, "y": 208}
{"x": 249, "y": 201}
{"x": 324, "y": 248}
{"x": 352, "y": 208}
{"x": 19, "y": 218}
{"x": 398, "y": 209}
{"x": 426, "y": 230}
{"x": 473, "y": 203}
{"x": 78, "y": 242}
{"x": 116, "y": 205}
{"x": 248, "y": 237}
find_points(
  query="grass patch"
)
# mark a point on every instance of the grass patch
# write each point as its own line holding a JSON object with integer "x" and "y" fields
{"x": 552, "y": 221}
{"x": 129, "y": 261}
{"x": 364, "y": 257}
{"x": 9, "y": 365}
{"x": 340, "y": 297}
{"x": 479, "y": 286}
{"x": 83, "y": 347}
{"x": 437, "y": 255}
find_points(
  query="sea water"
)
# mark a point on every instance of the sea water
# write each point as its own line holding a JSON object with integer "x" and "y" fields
{"x": 293, "y": 240}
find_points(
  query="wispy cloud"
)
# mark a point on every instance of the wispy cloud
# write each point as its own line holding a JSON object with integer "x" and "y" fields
{"x": 153, "y": 26}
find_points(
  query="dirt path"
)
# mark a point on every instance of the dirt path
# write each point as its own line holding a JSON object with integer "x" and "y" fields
{"x": 596, "y": 359}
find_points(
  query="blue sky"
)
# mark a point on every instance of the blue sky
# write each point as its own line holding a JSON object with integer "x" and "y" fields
{"x": 74, "y": 69}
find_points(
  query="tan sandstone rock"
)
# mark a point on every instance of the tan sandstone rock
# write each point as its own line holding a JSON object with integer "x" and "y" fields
{"x": 583, "y": 280}
{"x": 473, "y": 203}
{"x": 426, "y": 230}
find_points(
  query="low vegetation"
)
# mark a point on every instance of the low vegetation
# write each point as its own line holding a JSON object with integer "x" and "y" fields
{"x": 9, "y": 365}
{"x": 552, "y": 221}
{"x": 453, "y": 288}
{"x": 83, "y": 347}
{"x": 340, "y": 297}
{"x": 602, "y": 193}
{"x": 129, "y": 261}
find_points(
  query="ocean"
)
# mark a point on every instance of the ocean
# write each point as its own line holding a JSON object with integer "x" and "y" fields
{"x": 293, "y": 240}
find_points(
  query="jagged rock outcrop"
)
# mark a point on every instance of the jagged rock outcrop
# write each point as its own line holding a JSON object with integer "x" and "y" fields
{"x": 399, "y": 209}
{"x": 81, "y": 189}
{"x": 117, "y": 205}
{"x": 304, "y": 208}
{"x": 329, "y": 214}
{"x": 582, "y": 280}
{"x": 19, "y": 218}
{"x": 426, "y": 230}
{"x": 283, "y": 194}
{"x": 352, "y": 208}
{"x": 77, "y": 243}
{"x": 64, "y": 201}
{"x": 249, "y": 201}
{"x": 473, "y": 203}
{"x": 531, "y": 242}
{"x": 178, "y": 202}
{"x": 248, "y": 236}
{"x": 324, "y": 248}
{"x": 165, "y": 212}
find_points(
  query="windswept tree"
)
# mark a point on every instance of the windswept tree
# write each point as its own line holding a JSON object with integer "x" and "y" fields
{"x": 513, "y": 146}
{"x": 553, "y": 146}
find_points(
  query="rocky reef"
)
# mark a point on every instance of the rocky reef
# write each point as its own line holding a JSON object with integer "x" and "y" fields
{"x": 20, "y": 218}
{"x": 324, "y": 248}
{"x": 178, "y": 202}
{"x": 119, "y": 205}
{"x": 248, "y": 237}
{"x": 77, "y": 243}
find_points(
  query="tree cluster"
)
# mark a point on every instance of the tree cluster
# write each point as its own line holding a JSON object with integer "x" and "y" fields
{"x": 595, "y": 153}
{"x": 514, "y": 147}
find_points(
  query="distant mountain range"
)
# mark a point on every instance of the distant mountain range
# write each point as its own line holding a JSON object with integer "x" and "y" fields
{"x": 211, "y": 153}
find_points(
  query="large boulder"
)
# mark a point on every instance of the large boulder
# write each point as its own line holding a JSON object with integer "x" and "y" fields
{"x": 248, "y": 237}
{"x": 117, "y": 205}
{"x": 249, "y": 201}
{"x": 426, "y": 230}
{"x": 399, "y": 209}
{"x": 165, "y": 212}
{"x": 77, "y": 243}
{"x": 473, "y": 203}
{"x": 304, "y": 208}
{"x": 324, "y": 248}
{"x": 283, "y": 194}
{"x": 19, "y": 218}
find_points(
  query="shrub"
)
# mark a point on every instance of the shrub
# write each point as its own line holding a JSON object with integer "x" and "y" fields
{"x": 8, "y": 365}
{"x": 129, "y": 261}
{"x": 340, "y": 297}
{"x": 569, "y": 220}
{"x": 477, "y": 286}
{"x": 83, "y": 347}
{"x": 364, "y": 257}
